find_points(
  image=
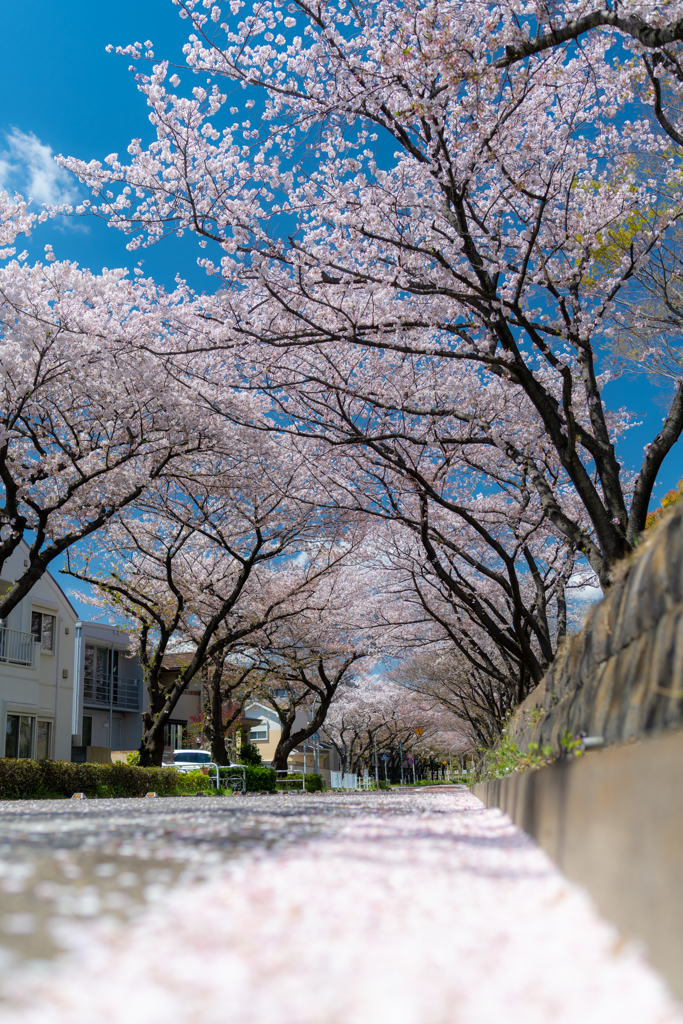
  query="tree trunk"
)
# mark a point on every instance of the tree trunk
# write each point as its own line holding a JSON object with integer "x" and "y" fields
{"x": 152, "y": 743}
{"x": 219, "y": 753}
{"x": 285, "y": 746}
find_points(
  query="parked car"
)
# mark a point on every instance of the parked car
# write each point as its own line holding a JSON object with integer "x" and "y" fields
{"x": 190, "y": 760}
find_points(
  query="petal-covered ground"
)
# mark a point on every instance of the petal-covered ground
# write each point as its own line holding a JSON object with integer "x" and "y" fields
{"x": 410, "y": 908}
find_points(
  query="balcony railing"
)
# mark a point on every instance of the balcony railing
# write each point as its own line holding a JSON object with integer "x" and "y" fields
{"x": 16, "y": 648}
{"x": 119, "y": 693}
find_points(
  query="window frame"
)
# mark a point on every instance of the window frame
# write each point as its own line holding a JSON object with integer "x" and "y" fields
{"x": 83, "y": 730}
{"x": 35, "y": 719}
{"x": 264, "y": 727}
{"x": 38, "y": 638}
{"x": 171, "y": 730}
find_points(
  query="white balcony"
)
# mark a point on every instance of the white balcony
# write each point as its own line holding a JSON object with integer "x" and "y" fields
{"x": 17, "y": 648}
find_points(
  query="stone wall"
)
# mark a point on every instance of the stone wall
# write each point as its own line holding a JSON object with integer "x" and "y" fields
{"x": 621, "y": 676}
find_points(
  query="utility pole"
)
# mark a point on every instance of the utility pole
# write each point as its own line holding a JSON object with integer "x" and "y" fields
{"x": 400, "y": 747}
{"x": 374, "y": 739}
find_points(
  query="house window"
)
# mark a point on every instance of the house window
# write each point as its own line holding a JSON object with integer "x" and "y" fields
{"x": 43, "y": 741}
{"x": 43, "y": 630}
{"x": 86, "y": 731}
{"x": 19, "y": 736}
{"x": 173, "y": 735}
{"x": 22, "y": 732}
{"x": 260, "y": 733}
{"x": 100, "y": 672}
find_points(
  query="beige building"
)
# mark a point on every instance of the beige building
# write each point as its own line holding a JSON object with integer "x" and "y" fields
{"x": 316, "y": 754}
{"x": 36, "y": 668}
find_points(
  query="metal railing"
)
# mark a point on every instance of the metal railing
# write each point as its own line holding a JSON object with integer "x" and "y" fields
{"x": 236, "y": 778}
{"x": 236, "y": 782}
{"x": 292, "y": 771}
{"x": 119, "y": 692}
{"x": 16, "y": 648}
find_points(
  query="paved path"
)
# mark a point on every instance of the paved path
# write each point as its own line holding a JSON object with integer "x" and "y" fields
{"x": 401, "y": 908}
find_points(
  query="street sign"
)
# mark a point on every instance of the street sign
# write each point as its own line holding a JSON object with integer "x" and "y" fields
{"x": 419, "y": 730}
{"x": 410, "y": 759}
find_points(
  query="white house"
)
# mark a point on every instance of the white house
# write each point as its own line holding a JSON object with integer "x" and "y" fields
{"x": 36, "y": 668}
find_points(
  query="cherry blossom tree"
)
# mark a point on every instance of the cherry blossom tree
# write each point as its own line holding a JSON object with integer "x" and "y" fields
{"x": 478, "y": 248}
{"x": 473, "y": 696}
{"x": 305, "y": 658}
{"x": 90, "y": 418}
{"x": 374, "y": 714}
{"x": 462, "y": 606}
{"x": 206, "y": 561}
{"x": 230, "y": 684}
{"x": 651, "y": 34}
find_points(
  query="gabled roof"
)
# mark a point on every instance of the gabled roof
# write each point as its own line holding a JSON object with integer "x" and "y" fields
{"x": 47, "y": 575}
{"x": 174, "y": 662}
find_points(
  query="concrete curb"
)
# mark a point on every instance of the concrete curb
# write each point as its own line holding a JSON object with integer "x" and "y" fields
{"x": 612, "y": 820}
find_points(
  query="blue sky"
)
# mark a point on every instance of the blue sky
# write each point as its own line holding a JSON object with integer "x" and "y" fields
{"x": 62, "y": 93}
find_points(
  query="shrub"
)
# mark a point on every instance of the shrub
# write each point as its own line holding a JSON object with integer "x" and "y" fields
{"x": 31, "y": 780}
{"x": 250, "y": 754}
{"x": 672, "y": 498}
{"x": 260, "y": 779}
{"x": 133, "y": 758}
{"x": 315, "y": 784}
{"x": 506, "y": 757}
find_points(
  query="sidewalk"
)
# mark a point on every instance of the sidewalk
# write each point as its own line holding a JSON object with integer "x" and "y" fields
{"x": 407, "y": 908}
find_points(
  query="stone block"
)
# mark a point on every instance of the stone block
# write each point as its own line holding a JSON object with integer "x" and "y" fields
{"x": 599, "y": 632}
{"x": 674, "y": 558}
{"x": 663, "y": 705}
{"x": 628, "y": 690}
{"x": 646, "y": 595}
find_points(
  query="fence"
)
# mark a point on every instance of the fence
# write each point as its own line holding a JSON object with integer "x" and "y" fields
{"x": 338, "y": 780}
{"x": 291, "y": 772}
{"x": 15, "y": 647}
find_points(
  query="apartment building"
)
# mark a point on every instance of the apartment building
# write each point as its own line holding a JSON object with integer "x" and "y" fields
{"x": 110, "y": 696}
{"x": 108, "y": 692}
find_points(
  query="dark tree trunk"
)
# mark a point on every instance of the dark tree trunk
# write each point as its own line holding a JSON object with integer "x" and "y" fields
{"x": 152, "y": 744}
{"x": 217, "y": 725}
{"x": 219, "y": 751}
{"x": 285, "y": 746}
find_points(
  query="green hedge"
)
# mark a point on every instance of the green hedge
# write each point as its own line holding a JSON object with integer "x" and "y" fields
{"x": 30, "y": 780}
{"x": 259, "y": 778}
{"x": 314, "y": 784}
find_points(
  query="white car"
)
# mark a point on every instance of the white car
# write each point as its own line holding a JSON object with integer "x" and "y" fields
{"x": 190, "y": 760}
{"x": 233, "y": 775}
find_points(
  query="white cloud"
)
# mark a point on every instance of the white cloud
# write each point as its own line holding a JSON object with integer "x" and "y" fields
{"x": 28, "y": 166}
{"x": 588, "y": 592}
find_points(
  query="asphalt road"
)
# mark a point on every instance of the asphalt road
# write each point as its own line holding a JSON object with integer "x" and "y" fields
{"x": 420, "y": 907}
